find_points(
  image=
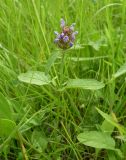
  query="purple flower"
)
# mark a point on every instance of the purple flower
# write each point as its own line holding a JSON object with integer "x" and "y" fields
{"x": 56, "y": 40}
{"x": 62, "y": 23}
{"x": 73, "y": 35}
{"x": 71, "y": 44}
{"x": 62, "y": 35}
{"x": 72, "y": 26}
{"x": 57, "y": 34}
{"x": 66, "y": 39}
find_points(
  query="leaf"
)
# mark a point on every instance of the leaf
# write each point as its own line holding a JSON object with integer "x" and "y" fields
{"x": 97, "y": 139}
{"x": 77, "y": 47}
{"x": 6, "y": 127}
{"x": 111, "y": 120}
{"x": 39, "y": 141}
{"x": 5, "y": 110}
{"x": 51, "y": 61}
{"x": 107, "y": 127}
{"x": 81, "y": 59}
{"x": 111, "y": 155}
{"x": 122, "y": 137}
{"x": 121, "y": 71}
{"x": 33, "y": 121}
{"x": 95, "y": 45}
{"x": 91, "y": 84}
{"x": 98, "y": 44}
{"x": 34, "y": 77}
{"x": 119, "y": 152}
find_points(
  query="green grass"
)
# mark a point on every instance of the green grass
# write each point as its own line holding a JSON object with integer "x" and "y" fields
{"x": 45, "y": 122}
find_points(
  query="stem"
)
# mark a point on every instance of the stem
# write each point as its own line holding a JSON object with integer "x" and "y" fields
{"x": 62, "y": 68}
{"x": 22, "y": 147}
{"x": 71, "y": 142}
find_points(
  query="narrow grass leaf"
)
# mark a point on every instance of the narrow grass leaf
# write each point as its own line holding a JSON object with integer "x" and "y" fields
{"x": 97, "y": 140}
{"x": 119, "y": 152}
{"x": 90, "y": 84}
{"x": 95, "y": 45}
{"x": 34, "y": 77}
{"x": 77, "y": 47}
{"x": 76, "y": 59}
{"x": 111, "y": 155}
{"x": 6, "y": 127}
{"x": 5, "y": 110}
{"x": 121, "y": 71}
{"x": 122, "y": 137}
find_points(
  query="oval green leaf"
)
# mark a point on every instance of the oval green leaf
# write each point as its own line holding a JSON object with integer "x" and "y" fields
{"x": 90, "y": 84}
{"x": 34, "y": 77}
{"x": 97, "y": 140}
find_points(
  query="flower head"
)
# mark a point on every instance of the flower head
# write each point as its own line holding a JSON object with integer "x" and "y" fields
{"x": 66, "y": 38}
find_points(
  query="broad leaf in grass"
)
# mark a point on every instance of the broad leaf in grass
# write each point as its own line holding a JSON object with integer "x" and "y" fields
{"x": 97, "y": 140}
{"x": 121, "y": 71}
{"x": 107, "y": 127}
{"x": 5, "y": 109}
{"x": 34, "y": 77}
{"x": 6, "y": 127}
{"x": 39, "y": 141}
{"x": 90, "y": 84}
{"x": 111, "y": 120}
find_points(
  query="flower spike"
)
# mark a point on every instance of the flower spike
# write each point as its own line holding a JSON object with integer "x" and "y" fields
{"x": 66, "y": 38}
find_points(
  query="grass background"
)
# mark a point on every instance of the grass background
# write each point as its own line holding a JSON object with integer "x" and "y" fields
{"x": 49, "y": 120}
